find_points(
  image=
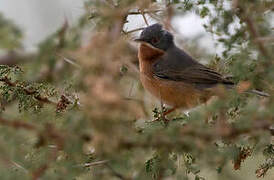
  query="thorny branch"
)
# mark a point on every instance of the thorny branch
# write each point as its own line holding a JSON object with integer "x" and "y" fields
{"x": 28, "y": 92}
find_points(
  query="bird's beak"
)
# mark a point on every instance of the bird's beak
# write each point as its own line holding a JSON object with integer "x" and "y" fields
{"x": 139, "y": 40}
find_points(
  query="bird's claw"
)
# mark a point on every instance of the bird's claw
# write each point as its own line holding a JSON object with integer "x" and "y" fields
{"x": 161, "y": 118}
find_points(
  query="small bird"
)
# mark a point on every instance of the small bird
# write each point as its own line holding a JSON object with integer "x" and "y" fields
{"x": 172, "y": 75}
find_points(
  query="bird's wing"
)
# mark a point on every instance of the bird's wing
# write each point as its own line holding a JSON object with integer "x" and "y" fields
{"x": 196, "y": 74}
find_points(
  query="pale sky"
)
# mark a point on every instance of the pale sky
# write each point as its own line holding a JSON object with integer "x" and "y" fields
{"x": 39, "y": 18}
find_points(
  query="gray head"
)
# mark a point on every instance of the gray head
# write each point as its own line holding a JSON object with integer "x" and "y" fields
{"x": 156, "y": 36}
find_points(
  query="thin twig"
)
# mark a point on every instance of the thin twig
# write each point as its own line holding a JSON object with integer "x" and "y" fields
{"x": 95, "y": 163}
{"x": 144, "y": 12}
{"x": 144, "y": 17}
{"x": 69, "y": 61}
{"x": 19, "y": 166}
{"x": 133, "y": 99}
{"x": 130, "y": 90}
{"x": 132, "y": 31}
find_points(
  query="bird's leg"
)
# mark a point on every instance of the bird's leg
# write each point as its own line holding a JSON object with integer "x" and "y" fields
{"x": 169, "y": 111}
{"x": 163, "y": 114}
{"x": 166, "y": 113}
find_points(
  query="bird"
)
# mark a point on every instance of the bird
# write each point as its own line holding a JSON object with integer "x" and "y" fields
{"x": 172, "y": 75}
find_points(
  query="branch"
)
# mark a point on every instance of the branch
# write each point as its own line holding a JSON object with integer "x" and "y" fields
{"x": 250, "y": 24}
{"x": 51, "y": 133}
{"x": 255, "y": 35}
{"x": 28, "y": 92}
{"x": 95, "y": 14}
{"x": 18, "y": 124}
{"x": 12, "y": 58}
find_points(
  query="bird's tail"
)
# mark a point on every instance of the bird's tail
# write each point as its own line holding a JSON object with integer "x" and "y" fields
{"x": 260, "y": 93}
{"x": 251, "y": 91}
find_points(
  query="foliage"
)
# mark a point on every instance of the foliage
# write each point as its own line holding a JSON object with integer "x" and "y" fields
{"x": 76, "y": 110}
{"x": 10, "y": 34}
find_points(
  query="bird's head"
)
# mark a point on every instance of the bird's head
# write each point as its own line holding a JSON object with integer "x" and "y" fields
{"x": 157, "y": 37}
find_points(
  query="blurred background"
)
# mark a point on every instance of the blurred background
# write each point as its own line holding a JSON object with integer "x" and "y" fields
{"x": 39, "y": 19}
{"x": 72, "y": 106}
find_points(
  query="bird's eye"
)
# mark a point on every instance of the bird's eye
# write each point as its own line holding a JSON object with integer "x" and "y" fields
{"x": 155, "y": 40}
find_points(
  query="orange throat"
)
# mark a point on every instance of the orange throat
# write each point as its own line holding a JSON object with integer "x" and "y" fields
{"x": 148, "y": 55}
{"x": 148, "y": 52}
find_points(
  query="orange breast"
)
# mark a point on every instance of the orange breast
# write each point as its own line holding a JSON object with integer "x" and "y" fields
{"x": 176, "y": 94}
{"x": 173, "y": 93}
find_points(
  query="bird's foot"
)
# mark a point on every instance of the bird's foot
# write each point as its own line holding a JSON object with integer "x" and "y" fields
{"x": 161, "y": 118}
